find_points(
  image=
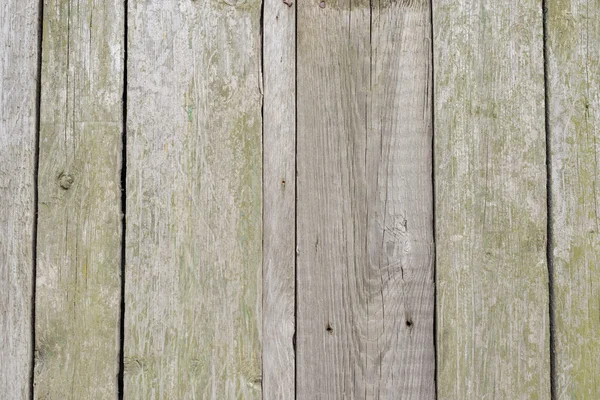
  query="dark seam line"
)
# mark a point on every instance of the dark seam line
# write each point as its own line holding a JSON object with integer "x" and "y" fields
{"x": 295, "y": 338}
{"x": 433, "y": 216}
{"x": 120, "y": 379}
{"x": 36, "y": 169}
{"x": 549, "y": 227}
{"x": 262, "y": 118}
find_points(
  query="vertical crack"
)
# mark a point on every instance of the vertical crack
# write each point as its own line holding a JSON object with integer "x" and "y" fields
{"x": 120, "y": 379}
{"x": 36, "y": 168}
{"x": 549, "y": 227}
{"x": 296, "y": 201}
{"x": 433, "y": 214}
{"x": 262, "y": 118}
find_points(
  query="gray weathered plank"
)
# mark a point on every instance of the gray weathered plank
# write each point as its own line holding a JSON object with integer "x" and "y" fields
{"x": 194, "y": 231}
{"x": 79, "y": 227}
{"x": 365, "y": 233}
{"x": 492, "y": 278}
{"x": 279, "y": 197}
{"x": 18, "y": 72}
{"x": 573, "y": 47}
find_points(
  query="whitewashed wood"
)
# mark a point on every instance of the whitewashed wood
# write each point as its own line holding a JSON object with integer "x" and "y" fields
{"x": 490, "y": 175}
{"x": 194, "y": 210}
{"x": 279, "y": 197}
{"x": 365, "y": 229}
{"x": 79, "y": 226}
{"x": 573, "y": 49}
{"x": 18, "y": 81}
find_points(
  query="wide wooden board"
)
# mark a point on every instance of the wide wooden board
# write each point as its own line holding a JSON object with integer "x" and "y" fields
{"x": 573, "y": 51}
{"x": 194, "y": 200}
{"x": 490, "y": 186}
{"x": 365, "y": 221}
{"x": 19, "y": 29}
{"x": 79, "y": 228}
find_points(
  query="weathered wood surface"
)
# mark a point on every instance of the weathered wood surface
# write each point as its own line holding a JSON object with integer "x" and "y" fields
{"x": 194, "y": 256}
{"x": 18, "y": 81}
{"x": 279, "y": 197}
{"x": 79, "y": 226}
{"x": 573, "y": 50}
{"x": 365, "y": 228}
{"x": 490, "y": 176}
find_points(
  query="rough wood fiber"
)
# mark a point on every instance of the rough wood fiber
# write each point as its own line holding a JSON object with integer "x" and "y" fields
{"x": 573, "y": 31}
{"x": 194, "y": 230}
{"x": 279, "y": 213}
{"x": 18, "y": 72}
{"x": 490, "y": 174}
{"x": 79, "y": 225}
{"x": 365, "y": 256}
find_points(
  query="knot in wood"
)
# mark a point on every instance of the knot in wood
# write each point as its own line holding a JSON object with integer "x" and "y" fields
{"x": 65, "y": 181}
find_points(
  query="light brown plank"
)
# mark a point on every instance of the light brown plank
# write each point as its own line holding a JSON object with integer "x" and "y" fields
{"x": 18, "y": 81}
{"x": 279, "y": 196}
{"x": 490, "y": 175}
{"x": 365, "y": 233}
{"x": 79, "y": 227}
{"x": 573, "y": 51}
{"x": 194, "y": 256}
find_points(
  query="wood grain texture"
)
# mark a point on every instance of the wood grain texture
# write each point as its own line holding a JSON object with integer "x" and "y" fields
{"x": 279, "y": 196}
{"x": 490, "y": 174}
{"x": 365, "y": 233}
{"x": 194, "y": 220}
{"x": 573, "y": 49}
{"x": 79, "y": 226}
{"x": 18, "y": 82}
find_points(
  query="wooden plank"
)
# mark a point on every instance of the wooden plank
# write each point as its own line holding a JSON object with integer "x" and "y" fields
{"x": 18, "y": 82}
{"x": 279, "y": 197}
{"x": 365, "y": 233}
{"x": 194, "y": 209}
{"x": 573, "y": 50}
{"x": 490, "y": 175}
{"x": 79, "y": 226}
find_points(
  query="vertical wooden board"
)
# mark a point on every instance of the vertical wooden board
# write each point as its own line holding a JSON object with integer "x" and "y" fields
{"x": 365, "y": 229}
{"x": 279, "y": 196}
{"x": 490, "y": 175}
{"x": 18, "y": 81}
{"x": 79, "y": 226}
{"x": 573, "y": 50}
{"x": 194, "y": 201}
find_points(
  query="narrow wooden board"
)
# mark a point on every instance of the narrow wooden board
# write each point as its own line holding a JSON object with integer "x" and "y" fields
{"x": 490, "y": 175}
{"x": 279, "y": 196}
{"x": 365, "y": 223}
{"x": 573, "y": 51}
{"x": 79, "y": 227}
{"x": 19, "y": 29}
{"x": 194, "y": 200}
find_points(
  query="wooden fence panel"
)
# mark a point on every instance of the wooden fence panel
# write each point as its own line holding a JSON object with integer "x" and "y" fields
{"x": 279, "y": 189}
{"x": 490, "y": 174}
{"x": 18, "y": 81}
{"x": 573, "y": 51}
{"x": 79, "y": 228}
{"x": 281, "y": 165}
{"x": 365, "y": 229}
{"x": 194, "y": 232}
